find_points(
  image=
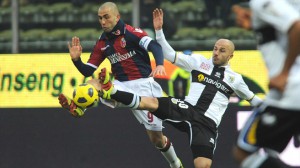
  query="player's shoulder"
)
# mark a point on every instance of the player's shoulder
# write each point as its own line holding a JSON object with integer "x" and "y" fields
{"x": 136, "y": 31}
{"x": 233, "y": 78}
{"x": 231, "y": 72}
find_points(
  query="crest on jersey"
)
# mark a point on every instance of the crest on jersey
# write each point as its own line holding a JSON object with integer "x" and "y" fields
{"x": 123, "y": 42}
{"x": 231, "y": 79}
{"x": 117, "y": 32}
{"x": 204, "y": 66}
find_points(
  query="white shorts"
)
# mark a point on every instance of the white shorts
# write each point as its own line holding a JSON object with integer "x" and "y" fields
{"x": 142, "y": 87}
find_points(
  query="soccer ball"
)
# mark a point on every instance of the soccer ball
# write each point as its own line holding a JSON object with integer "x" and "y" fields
{"x": 85, "y": 95}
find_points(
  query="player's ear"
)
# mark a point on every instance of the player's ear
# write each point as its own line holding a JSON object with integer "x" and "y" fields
{"x": 230, "y": 57}
{"x": 118, "y": 17}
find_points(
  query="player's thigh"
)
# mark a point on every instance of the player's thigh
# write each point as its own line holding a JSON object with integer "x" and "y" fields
{"x": 144, "y": 87}
{"x": 174, "y": 109}
{"x": 150, "y": 121}
{"x": 203, "y": 140}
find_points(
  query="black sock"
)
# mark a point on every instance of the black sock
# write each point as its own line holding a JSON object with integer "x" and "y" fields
{"x": 123, "y": 97}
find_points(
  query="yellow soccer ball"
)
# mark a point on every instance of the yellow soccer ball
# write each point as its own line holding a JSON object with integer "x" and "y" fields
{"x": 85, "y": 95}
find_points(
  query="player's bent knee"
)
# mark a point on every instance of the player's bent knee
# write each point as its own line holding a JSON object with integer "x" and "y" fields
{"x": 156, "y": 138}
{"x": 95, "y": 83}
{"x": 202, "y": 162}
{"x": 239, "y": 155}
{"x": 148, "y": 103}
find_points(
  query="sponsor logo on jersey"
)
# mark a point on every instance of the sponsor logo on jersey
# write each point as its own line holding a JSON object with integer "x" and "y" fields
{"x": 216, "y": 83}
{"x": 200, "y": 77}
{"x": 117, "y": 57}
{"x": 123, "y": 42}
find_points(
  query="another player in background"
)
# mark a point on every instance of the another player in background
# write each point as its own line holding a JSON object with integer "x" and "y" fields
{"x": 127, "y": 48}
{"x": 277, "y": 120}
{"x": 200, "y": 113}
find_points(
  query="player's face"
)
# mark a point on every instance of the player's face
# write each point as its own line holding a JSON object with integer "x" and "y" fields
{"x": 107, "y": 19}
{"x": 222, "y": 53}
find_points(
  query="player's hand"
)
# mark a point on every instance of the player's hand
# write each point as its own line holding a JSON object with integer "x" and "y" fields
{"x": 158, "y": 20}
{"x": 158, "y": 71}
{"x": 278, "y": 82}
{"x": 75, "y": 48}
{"x": 242, "y": 16}
{"x": 95, "y": 83}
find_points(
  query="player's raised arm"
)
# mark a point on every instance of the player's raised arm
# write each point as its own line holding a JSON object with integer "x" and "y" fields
{"x": 158, "y": 15}
{"x": 75, "y": 48}
{"x": 168, "y": 52}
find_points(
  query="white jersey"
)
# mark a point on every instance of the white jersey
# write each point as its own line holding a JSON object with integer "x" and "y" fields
{"x": 272, "y": 19}
{"x": 211, "y": 86}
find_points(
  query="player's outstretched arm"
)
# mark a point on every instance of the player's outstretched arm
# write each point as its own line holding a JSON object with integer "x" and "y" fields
{"x": 158, "y": 15}
{"x": 168, "y": 52}
{"x": 75, "y": 48}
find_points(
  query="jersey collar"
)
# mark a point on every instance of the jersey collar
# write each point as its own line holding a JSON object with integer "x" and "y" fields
{"x": 118, "y": 30}
{"x": 225, "y": 66}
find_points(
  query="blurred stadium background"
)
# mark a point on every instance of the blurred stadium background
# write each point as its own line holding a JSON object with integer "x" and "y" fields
{"x": 41, "y": 25}
{"x": 35, "y": 67}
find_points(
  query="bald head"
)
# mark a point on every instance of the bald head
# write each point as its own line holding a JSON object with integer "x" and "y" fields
{"x": 223, "y": 52}
{"x": 228, "y": 44}
{"x": 108, "y": 15}
{"x": 112, "y": 7}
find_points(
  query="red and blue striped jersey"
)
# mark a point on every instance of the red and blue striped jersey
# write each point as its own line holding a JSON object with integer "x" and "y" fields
{"x": 124, "y": 47}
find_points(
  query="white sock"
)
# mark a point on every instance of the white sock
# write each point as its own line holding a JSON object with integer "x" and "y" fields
{"x": 169, "y": 153}
{"x": 254, "y": 160}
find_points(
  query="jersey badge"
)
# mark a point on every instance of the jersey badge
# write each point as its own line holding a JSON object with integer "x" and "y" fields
{"x": 123, "y": 42}
{"x": 231, "y": 79}
{"x": 117, "y": 32}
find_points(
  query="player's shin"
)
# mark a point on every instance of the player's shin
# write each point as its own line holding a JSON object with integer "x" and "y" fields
{"x": 169, "y": 153}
